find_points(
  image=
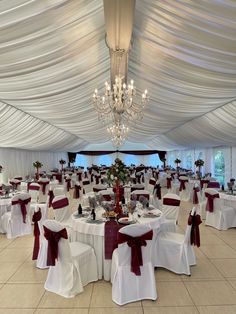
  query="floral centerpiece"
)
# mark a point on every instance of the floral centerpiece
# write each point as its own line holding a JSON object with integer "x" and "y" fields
{"x": 62, "y": 162}
{"x": 116, "y": 174}
{"x": 199, "y": 163}
{"x": 37, "y": 164}
{"x": 177, "y": 162}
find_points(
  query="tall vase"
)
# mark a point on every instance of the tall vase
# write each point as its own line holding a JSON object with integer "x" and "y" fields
{"x": 37, "y": 173}
{"x": 118, "y": 208}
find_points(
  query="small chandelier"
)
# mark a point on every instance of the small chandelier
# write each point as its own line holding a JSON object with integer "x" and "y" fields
{"x": 119, "y": 101}
{"x": 119, "y": 133}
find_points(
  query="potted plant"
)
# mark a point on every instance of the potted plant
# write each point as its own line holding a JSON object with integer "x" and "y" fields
{"x": 177, "y": 162}
{"x": 37, "y": 164}
{"x": 62, "y": 162}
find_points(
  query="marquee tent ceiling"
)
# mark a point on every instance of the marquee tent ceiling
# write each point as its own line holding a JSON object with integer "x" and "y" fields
{"x": 53, "y": 54}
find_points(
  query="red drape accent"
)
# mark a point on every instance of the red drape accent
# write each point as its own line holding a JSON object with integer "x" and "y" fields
{"x": 135, "y": 243}
{"x": 168, "y": 182}
{"x": 53, "y": 239}
{"x": 195, "y": 221}
{"x": 171, "y": 201}
{"x": 195, "y": 197}
{"x": 210, "y": 201}
{"x": 22, "y": 204}
{"x": 44, "y": 184}
{"x": 182, "y": 184}
{"x": 77, "y": 191}
{"x": 35, "y": 219}
{"x": 51, "y": 197}
{"x": 60, "y": 203}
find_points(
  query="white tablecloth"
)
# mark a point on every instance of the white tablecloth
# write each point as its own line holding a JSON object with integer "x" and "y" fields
{"x": 93, "y": 234}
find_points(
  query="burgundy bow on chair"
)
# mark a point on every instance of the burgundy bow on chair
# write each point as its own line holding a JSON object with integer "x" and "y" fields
{"x": 77, "y": 191}
{"x": 157, "y": 190}
{"x": 195, "y": 197}
{"x": 135, "y": 243}
{"x": 182, "y": 184}
{"x": 80, "y": 176}
{"x": 171, "y": 201}
{"x": 35, "y": 219}
{"x": 60, "y": 203}
{"x": 22, "y": 204}
{"x": 210, "y": 201}
{"x": 51, "y": 197}
{"x": 92, "y": 175}
{"x": 53, "y": 239}
{"x": 33, "y": 187}
{"x": 44, "y": 184}
{"x": 195, "y": 221}
{"x": 68, "y": 183}
{"x": 168, "y": 182}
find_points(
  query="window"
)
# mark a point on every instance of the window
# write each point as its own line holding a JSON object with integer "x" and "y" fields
{"x": 219, "y": 166}
{"x": 189, "y": 161}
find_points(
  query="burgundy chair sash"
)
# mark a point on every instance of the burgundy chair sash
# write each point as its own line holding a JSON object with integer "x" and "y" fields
{"x": 98, "y": 189}
{"x": 168, "y": 183}
{"x": 60, "y": 203}
{"x": 157, "y": 191}
{"x": 86, "y": 174}
{"x": 86, "y": 182}
{"x": 68, "y": 183}
{"x": 51, "y": 197}
{"x": 152, "y": 182}
{"x": 35, "y": 219}
{"x": 43, "y": 184}
{"x": 80, "y": 176}
{"x": 22, "y": 204}
{"x": 33, "y": 187}
{"x": 134, "y": 188}
{"x": 110, "y": 237}
{"x": 77, "y": 191}
{"x": 97, "y": 179}
{"x": 210, "y": 201}
{"x": 202, "y": 182}
{"x": 92, "y": 175}
{"x": 18, "y": 178}
{"x": 171, "y": 201}
{"x": 53, "y": 239}
{"x": 195, "y": 221}
{"x": 213, "y": 185}
{"x": 135, "y": 243}
{"x": 138, "y": 179}
{"x": 195, "y": 197}
{"x": 182, "y": 184}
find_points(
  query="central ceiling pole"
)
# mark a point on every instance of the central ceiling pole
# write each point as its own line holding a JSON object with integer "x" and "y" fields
{"x": 119, "y": 17}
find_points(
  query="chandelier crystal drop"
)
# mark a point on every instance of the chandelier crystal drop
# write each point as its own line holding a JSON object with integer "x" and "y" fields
{"x": 119, "y": 133}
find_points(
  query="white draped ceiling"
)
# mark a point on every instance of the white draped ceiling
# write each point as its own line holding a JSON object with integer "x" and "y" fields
{"x": 53, "y": 54}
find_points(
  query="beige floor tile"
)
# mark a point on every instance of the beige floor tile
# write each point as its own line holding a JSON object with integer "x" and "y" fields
{"x": 52, "y": 300}
{"x": 15, "y": 255}
{"x": 233, "y": 283}
{"x": 7, "y": 270}
{"x": 114, "y": 310}
{"x": 170, "y": 294}
{"x": 226, "y": 309}
{"x": 211, "y": 292}
{"x": 20, "y": 295}
{"x": 102, "y": 296}
{"x": 218, "y": 251}
{"x": 62, "y": 311}
{"x": 162, "y": 274}
{"x": 204, "y": 270}
{"x": 226, "y": 266}
{"x": 171, "y": 310}
{"x": 22, "y": 242}
{"x": 17, "y": 311}
{"x": 4, "y": 242}
{"x": 28, "y": 273}
{"x": 208, "y": 238}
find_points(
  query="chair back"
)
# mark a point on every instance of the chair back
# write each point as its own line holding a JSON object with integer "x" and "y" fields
{"x": 34, "y": 191}
{"x": 60, "y": 204}
{"x": 140, "y": 193}
{"x": 170, "y": 206}
{"x": 137, "y": 187}
{"x": 99, "y": 187}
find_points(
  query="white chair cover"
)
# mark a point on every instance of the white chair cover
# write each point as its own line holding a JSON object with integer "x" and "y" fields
{"x": 174, "y": 251}
{"x": 170, "y": 211}
{"x": 34, "y": 192}
{"x": 61, "y": 212}
{"x": 59, "y": 190}
{"x": 12, "y": 222}
{"x": 43, "y": 197}
{"x": 75, "y": 267}
{"x": 126, "y": 286}
{"x": 223, "y": 217}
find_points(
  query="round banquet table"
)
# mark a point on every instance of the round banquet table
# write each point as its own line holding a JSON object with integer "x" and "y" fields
{"x": 93, "y": 234}
{"x": 229, "y": 199}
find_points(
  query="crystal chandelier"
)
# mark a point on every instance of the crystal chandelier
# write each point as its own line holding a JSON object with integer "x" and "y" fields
{"x": 119, "y": 101}
{"x": 118, "y": 133}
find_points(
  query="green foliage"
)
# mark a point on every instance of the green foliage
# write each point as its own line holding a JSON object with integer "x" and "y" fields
{"x": 199, "y": 163}
{"x": 177, "y": 161}
{"x": 117, "y": 171}
{"x": 62, "y": 161}
{"x": 37, "y": 164}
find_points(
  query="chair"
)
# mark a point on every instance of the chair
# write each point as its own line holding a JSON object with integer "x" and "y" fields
{"x": 17, "y": 222}
{"x": 62, "y": 214}
{"x": 99, "y": 187}
{"x": 137, "y": 187}
{"x": 72, "y": 265}
{"x": 44, "y": 188}
{"x": 218, "y": 215}
{"x": 140, "y": 193}
{"x": 34, "y": 192}
{"x": 170, "y": 206}
{"x": 87, "y": 187}
{"x": 185, "y": 188}
{"x": 174, "y": 251}
{"x": 130, "y": 284}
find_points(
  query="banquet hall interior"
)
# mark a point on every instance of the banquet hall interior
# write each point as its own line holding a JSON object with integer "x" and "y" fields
{"x": 117, "y": 157}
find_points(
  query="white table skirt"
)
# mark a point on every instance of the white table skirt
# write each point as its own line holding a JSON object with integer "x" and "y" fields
{"x": 229, "y": 199}
{"x": 93, "y": 234}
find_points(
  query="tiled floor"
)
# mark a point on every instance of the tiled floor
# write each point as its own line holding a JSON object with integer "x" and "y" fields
{"x": 211, "y": 289}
